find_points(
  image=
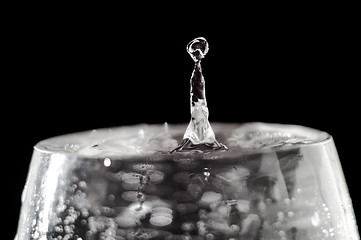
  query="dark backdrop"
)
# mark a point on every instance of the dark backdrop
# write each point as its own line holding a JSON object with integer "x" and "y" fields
{"x": 79, "y": 74}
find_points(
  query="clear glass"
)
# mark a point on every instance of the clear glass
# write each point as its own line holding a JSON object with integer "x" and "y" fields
{"x": 274, "y": 182}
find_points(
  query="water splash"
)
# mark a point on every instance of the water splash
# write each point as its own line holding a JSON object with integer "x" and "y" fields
{"x": 199, "y": 134}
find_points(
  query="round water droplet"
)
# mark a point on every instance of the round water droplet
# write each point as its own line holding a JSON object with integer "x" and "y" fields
{"x": 198, "y": 48}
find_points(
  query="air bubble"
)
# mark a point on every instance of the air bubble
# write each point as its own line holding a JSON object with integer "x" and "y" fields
{"x": 82, "y": 184}
{"x": 107, "y": 162}
{"x": 143, "y": 167}
{"x": 133, "y": 196}
{"x": 110, "y": 232}
{"x": 84, "y": 212}
{"x": 235, "y": 228}
{"x": 131, "y": 177}
{"x": 160, "y": 221}
{"x": 185, "y": 208}
{"x": 206, "y": 174}
{"x": 162, "y": 210}
{"x": 127, "y": 221}
{"x": 181, "y": 177}
{"x": 210, "y": 197}
{"x": 156, "y": 177}
{"x": 209, "y": 236}
{"x": 187, "y": 226}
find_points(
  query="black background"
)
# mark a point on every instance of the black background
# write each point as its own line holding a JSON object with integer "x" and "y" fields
{"x": 71, "y": 72}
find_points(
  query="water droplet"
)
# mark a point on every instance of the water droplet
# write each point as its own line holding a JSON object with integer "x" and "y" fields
{"x": 198, "y": 48}
{"x": 107, "y": 162}
{"x": 199, "y": 134}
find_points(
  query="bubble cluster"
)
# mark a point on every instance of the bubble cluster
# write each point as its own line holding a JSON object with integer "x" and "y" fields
{"x": 161, "y": 216}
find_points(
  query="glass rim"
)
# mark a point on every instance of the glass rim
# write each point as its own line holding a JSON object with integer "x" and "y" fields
{"x": 66, "y": 144}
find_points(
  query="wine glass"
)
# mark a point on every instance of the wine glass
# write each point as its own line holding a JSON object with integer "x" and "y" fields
{"x": 273, "y": 182}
